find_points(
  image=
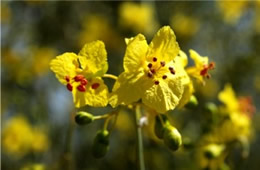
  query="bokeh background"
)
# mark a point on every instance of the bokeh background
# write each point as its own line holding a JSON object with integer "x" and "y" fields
{"x": 37, "y": 114}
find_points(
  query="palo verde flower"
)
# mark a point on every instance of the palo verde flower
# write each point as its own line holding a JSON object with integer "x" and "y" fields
{"x": 201, "y": 68}
{"x": 151, "y": 72}
{"x": 82, "y": 74}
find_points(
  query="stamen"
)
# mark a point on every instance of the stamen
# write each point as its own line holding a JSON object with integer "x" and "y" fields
{"x": 204, "y": 71}
{"x": 150, "y": 74}
{"x": 211, "y": 65}
{"x": 171, "y": 68}
{"x": 153, "y": 71}
{"x": 81, "y": 88}
{"x": 150, "y": 65}
{"x": 173, "y": 71}
{"x": 78, "y": 78}
{"x": 67, "y": 78}
{"x": 84, "y": 82}
{"x": 164, "y": 77}
{"x": 154, "y": 59}
{"x": 162, "y": 63}
{"x": 95, "y": 85}
{"x": 69, "y": 87}
{"x": 156, "y": 82}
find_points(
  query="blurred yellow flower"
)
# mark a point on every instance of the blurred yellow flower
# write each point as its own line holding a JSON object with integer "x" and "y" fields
{"x": 201, "y": 68}
{"x": 232, "y": 10}
{"x": 34, "y": 166}
{"x": 6, "y": 13}
{"x": 183, "y": 25}
{"x": 96, "y": 27}
{"x": 82, "y": 74}
{"x": 138, "y": 17}
{"x": 19, "y": 138}
{"x": 152, "y": 73}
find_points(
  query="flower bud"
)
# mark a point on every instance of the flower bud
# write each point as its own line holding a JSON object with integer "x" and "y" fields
{"x": 159, "y": 126}
{"x": 211, "y": 108}
{"x": 193, "y": 102}
{"x": 212, "y": 151}
{"x": 83, "y": 118}
{"x": 101, "y": 144}
{"x": 172, "y": 138}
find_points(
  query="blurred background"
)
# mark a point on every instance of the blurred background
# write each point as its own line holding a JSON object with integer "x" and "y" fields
{"x": 37, "y": 113}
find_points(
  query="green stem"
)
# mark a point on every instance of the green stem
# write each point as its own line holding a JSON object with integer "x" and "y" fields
{"x": 139, "y": 138}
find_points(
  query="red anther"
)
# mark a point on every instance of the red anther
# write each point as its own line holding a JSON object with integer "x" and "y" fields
{"x": 81, "y": 88}
{"x": 78, "y": 78}
{"x": 95, "y": 85}
{"x": 171, "y": 68}
{"x": 67, "y": 78}
{"x": 162, "y": 63}
{"x": 164, "y": 76}
{"x": 150, "y": 65}
{"x": 211, "y": 65}
{"x": 84, "y": 81}
{"x": 156, "y": 82}
{"x": 69, "y": 87}
{"x": 150, "y": 74}
{"x": 208, "y": 76}
{"x": 153, "y": 71}
{"x": 173, "y": 71}
{"x": 154, "y": 59}
{"x": 204, "y": 71}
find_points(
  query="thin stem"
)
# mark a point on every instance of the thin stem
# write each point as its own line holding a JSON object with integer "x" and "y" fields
{"x": 139, "y": 138}
{"x": 111, "y": 76}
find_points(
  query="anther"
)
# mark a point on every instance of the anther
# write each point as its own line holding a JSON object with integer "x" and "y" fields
{"x": 150, "y": 65}
{"x": 67, "y": 78}
{"x": 153, "y": 71}
{"x": 95, "y": 85}
{"x": 69, "y": 87}
{"x": 156, "y": 82}
{"x": 150, "y": 74}
{"x": 211, "y": 65}
{"x": 162, "y": 63}
{"x": 81, "y": 88}
{"x": 154, "y": 59}
{"x": 173, "y": 71}
{"x": 84, "y": 82}
{"x": 78, "y": 78}
{"x": 171, "y": 68}
{"x": 164, "y": 76}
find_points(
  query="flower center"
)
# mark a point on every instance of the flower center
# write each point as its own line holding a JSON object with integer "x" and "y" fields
{"x": 158, "y": 70}
{"x": 81, "y": 81}
{"x": 206, "y": 68}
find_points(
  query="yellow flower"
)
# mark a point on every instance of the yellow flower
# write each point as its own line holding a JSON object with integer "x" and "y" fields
{"x": 201, "y": 68}
{"x": 182, "y": 25}
{"x": 228, "y": 97}
{"x": 232, "y": 10}
{"x": 19, "y": 138}
{"x": 151, "y": 73}
{"x": 82, "y": 74}
{"x": 138, "y": 17}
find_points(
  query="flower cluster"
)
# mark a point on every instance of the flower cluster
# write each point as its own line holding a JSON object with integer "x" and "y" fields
{"x": 155, "y": 76}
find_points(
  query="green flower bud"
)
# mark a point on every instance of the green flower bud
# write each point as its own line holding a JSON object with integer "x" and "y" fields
{"x": 172, "y": 138}
{"x": 212, "y": 151}
{"x": 158, "y": 126}
{"x": 84, "y": 118}
{"x": 193, "y": 102}
{"x": 101, "y": 144}
{"x": 211, "y": 108}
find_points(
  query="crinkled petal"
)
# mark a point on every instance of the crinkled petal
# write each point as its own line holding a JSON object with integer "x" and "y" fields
{"x": 164, "y": 45}
{"x": 64, "y": 65}
{"x": 127, "y": 89}
{"x": 165, "y": 96}
{"x": 93, "y": 97}
{"x": 93, "y": 59}
{"x": 136, "y": 51}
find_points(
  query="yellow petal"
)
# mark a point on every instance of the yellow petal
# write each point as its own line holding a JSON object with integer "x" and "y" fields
{"x": 93, "y": 97}
{"x": 228, "y": 97}
{"x": 165, "y": 96}
{"x": 164, "y": 45}
{"x": 183, "y": 58}
{"x": 93, "y": 58}
{"x": 126, "y": 89}
{"x": 198, "y": 60}
{"x": 64, "y": 65}
{"x": 135, "y": 52}
{"x": 187, "y": 93}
